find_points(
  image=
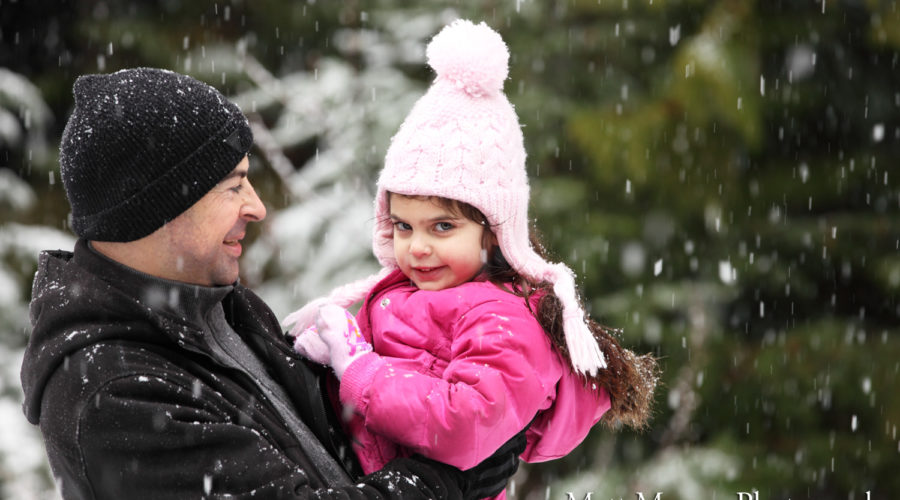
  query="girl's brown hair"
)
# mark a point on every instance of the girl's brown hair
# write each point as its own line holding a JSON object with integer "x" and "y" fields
{"x": 629, "y": 379}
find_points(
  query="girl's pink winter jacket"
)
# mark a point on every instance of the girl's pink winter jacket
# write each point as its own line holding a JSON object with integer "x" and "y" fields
{"x": 458, "y": 372}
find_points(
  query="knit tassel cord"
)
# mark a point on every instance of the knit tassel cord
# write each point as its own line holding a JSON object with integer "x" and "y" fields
{"x": 584, "y": 351}
{"x": 344, "y": 296}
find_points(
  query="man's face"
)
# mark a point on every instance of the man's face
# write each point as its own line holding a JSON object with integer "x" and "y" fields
{"x": 204, "y": 242}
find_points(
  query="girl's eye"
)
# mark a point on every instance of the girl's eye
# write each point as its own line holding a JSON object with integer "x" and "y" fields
{"x": 443, "y": 226}
{"x": 401, "y": 226}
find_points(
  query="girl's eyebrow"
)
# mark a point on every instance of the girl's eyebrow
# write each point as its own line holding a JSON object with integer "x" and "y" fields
{"x": 439, "y": 218}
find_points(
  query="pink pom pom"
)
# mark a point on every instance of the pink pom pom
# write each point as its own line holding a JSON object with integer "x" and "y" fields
{"x": 473, "y": 56}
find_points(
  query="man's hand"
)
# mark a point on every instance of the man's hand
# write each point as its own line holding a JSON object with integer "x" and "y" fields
{"x": 486, "y": 479}
{"x": 489, "y": 478}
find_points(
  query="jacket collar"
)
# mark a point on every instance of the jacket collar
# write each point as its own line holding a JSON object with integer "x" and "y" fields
{"x": 189, "y": 302}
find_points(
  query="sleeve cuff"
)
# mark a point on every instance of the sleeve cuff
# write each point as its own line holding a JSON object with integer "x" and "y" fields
{"x": 357, "y": 379}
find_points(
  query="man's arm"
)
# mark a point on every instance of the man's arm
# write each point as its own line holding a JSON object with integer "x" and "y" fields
{"x": 152, "y": 436}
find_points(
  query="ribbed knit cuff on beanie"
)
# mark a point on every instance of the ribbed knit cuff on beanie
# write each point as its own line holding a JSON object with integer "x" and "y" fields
{"x": 141, "y": 146}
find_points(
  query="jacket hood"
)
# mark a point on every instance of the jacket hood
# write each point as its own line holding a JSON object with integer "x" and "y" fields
{"x": 81, "y": 298}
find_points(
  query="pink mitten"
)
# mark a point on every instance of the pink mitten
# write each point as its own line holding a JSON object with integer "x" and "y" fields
{"x": 309, "y": 345}
{"x": 339, "y": 331}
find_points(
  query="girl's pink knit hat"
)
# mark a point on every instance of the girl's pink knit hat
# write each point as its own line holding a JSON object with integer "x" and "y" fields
{"x": 462, "y": 141}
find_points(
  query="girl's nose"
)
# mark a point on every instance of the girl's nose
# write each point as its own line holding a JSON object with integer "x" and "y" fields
{"x": 419, "y": 246}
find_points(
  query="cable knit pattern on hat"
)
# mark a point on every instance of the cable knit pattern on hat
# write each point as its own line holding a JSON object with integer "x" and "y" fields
{"x": 462, "y": 141}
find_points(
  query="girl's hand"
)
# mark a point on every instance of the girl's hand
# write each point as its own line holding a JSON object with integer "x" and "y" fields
{"x": 337, "y": 329}
{"x": 309, "y": 345}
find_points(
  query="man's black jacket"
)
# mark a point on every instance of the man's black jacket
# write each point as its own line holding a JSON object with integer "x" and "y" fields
{"x": 132, "y": 404}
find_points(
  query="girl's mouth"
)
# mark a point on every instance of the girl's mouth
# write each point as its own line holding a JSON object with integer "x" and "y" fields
{"x": 427, "y": 272}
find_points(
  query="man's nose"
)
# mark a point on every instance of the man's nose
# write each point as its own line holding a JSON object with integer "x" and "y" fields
{"x": 253, "y": 208}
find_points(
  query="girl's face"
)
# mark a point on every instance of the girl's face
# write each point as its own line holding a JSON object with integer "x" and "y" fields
{"x": 435, "y": 247}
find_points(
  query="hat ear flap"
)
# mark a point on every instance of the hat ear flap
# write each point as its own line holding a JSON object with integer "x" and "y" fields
{"x": 383, "y": 234}
{"x": 584, "y": 351}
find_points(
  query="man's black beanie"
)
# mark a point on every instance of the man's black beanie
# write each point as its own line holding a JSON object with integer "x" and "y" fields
{"x": 142, "y": 146}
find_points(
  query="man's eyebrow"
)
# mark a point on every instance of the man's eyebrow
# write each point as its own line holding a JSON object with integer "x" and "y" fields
{"x": 235, "y": 173}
